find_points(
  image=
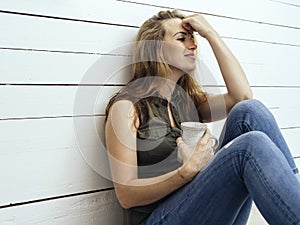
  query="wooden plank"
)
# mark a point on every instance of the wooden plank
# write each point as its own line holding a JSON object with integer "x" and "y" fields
{"x": 34, "y": 67}
{"x": 68, "y": 101}
{"x": 85, "y": 11}
{"x": 264, "y": 64}
{"x": 253, "y": 31}
{"x": 45, "y": 157}
{"x": 53, "y": 101}
{"x": 292, "y": 138}
{"x": 46, "y": 101}
{"x": 94, "y": 36}
{"x": 266, "y": 12}
{"x": 280, "y": 100}
{"x": 90, "y": 209}
{"x": 286, "y": 117}
{"x": 298, "y": 162}
{"x": 273, "y": 12}
{"x": 272, "y": 94}
{"x": 62, "y": 35}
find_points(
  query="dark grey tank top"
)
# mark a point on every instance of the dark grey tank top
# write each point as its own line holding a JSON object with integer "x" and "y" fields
{"x": 156, "y": 148}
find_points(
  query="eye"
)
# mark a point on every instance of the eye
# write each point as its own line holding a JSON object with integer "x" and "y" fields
{"x": 181, "y": 39}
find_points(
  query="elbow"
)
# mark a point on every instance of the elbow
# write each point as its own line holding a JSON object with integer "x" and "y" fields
{"x": 246, "y": 96}
{"x": 249, "y": 94}
{"x": 242, "y": 97}
{"x": 124, "y": 198}
{"x": 125, "y": 204}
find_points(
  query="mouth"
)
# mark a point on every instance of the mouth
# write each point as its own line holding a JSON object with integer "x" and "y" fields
{"x": 191, "y": 56}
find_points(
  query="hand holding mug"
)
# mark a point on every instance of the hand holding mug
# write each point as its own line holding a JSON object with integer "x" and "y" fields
{"x": 195, "y": 157}
{"x": 192, "y": 132}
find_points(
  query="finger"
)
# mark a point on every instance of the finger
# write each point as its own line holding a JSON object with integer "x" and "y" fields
{"x": 188, "y": 27}
{"x": 179, "y": 140}
{"x": 204, "y": 143}
{"x": 206, "y": 137}
{"x": 210, "y": 150}
{"x": 179, "y": 143}
{"x": 187, "y": 19}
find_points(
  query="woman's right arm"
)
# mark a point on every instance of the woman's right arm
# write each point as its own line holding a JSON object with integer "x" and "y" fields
{"x": 120, "y": 134}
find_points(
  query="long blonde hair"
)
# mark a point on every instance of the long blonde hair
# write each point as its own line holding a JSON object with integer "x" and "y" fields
{"x": 148, "y": 61}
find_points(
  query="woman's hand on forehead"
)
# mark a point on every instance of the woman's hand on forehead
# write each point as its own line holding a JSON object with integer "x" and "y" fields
{"x": 188, "y": 27}
{"x": 198, "y": 23}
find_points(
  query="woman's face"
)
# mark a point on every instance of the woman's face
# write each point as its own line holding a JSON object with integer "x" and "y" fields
{"x": 179, "y": 48}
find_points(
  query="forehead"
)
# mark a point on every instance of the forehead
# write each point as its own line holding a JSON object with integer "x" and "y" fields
{"x": 172, "y": 26}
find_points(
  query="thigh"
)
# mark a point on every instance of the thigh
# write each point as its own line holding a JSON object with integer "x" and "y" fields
{"x": 251, "y": 163}
{"x": 252, "y": 115}
{"x": 215, "y": 196}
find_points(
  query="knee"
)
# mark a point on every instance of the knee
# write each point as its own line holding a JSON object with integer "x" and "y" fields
{"x": 256, "y": 137}
{"x": 257, "y": 142}
{"x": 251, "y": 107}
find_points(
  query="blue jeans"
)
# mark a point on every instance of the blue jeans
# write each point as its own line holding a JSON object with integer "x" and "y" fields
{"x": 253, "y": 163}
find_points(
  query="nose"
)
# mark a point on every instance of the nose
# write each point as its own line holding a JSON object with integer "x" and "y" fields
{"x": 191, "y": 45}
{"x": 194, "y": 46}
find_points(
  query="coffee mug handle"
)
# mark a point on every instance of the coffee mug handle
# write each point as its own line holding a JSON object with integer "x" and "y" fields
{"x": 214, "y": 143}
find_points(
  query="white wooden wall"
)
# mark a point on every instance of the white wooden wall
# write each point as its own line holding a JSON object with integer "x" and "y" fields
{"x": 47, "y": 48}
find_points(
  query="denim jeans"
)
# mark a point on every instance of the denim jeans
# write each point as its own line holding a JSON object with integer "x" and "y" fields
{"x": 253, "y": 164}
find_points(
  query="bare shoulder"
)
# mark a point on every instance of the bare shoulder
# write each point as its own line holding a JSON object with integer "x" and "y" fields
{"x": 121, "y": 118}
{"x": 120, "y": 132}
{"x": 122, "y": 109}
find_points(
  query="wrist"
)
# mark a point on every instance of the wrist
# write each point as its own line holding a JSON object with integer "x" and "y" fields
{"x": 182, "y": 175}
{"x": 212, "y": 35}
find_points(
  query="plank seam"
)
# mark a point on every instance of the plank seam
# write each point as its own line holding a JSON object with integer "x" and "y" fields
{"x": 64, "y": 52}
{"x": 49, "y": 117}
{"x": 97, "y": 115}
{"x": 65, "y": 18}
{"x": 53, "y": 84}
{"x": 211, "y": 14}
{"x": 121, "y": 85}
{"x": 264, "y": 42}
{"x": 290, "y": 128}
{"x": 285, "y": 3}
{"x": 55, "y": 198}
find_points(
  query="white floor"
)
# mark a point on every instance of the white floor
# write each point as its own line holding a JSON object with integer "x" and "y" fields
{"x": 256, "y": 218}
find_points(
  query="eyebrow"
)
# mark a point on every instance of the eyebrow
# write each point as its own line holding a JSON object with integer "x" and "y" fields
{"x": 180, "y": 32}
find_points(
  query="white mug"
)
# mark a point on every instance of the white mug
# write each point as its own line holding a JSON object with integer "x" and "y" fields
{"x": 192, "y": 132}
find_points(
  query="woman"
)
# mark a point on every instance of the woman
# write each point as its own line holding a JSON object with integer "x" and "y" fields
{"x": 143, "y": 133}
